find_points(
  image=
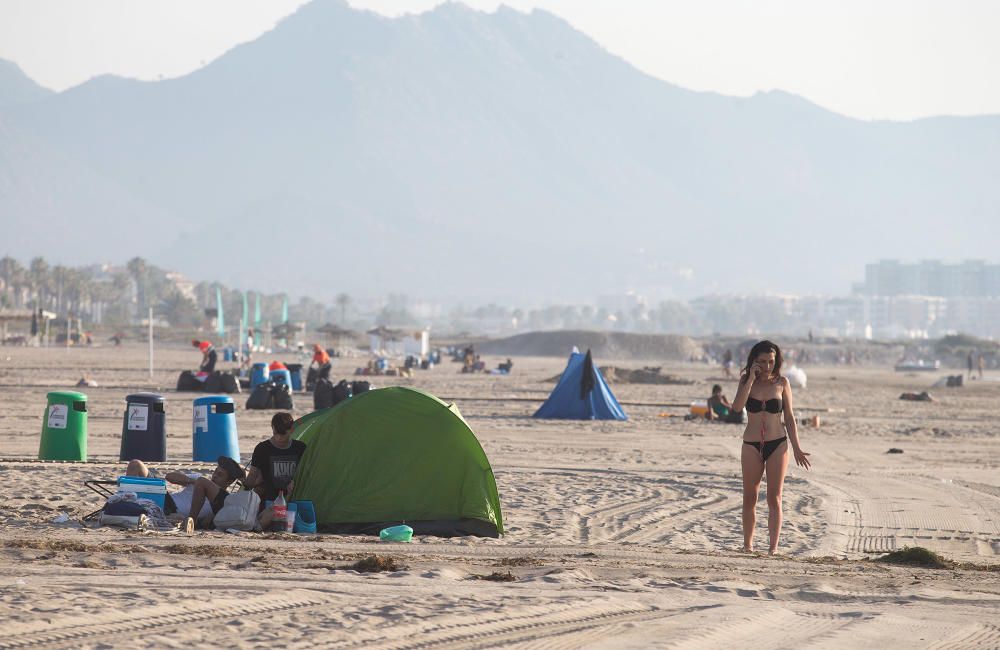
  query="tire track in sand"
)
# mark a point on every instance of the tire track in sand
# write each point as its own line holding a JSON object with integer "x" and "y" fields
{"x": 72, "y": 632}
{"x": 572, "y": 625}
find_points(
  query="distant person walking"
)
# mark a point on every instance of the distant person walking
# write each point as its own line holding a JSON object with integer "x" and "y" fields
{"x": 246, "y": 358}
{"x": 727, "y": 363}
{"x": 969, "y": 363}
{"x": 767, "y": 396}
{"x": 981, "y": 363}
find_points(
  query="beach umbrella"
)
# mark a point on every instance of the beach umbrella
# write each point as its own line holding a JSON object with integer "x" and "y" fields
{"x": 335, "y": 332}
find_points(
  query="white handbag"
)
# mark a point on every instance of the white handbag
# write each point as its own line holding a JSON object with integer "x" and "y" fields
{"x": 239, "y": 511}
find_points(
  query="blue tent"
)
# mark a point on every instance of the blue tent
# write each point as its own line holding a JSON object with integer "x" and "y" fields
{"x": 581, "y": 394}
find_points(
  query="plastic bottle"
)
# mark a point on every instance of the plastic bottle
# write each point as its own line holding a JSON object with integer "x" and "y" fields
{"x": 280, "y": 511}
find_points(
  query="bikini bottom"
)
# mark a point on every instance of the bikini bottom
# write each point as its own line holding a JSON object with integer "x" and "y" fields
{"x": 769, "y": 447}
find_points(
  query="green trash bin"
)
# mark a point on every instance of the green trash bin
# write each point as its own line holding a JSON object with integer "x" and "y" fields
{"x": 64, "y": 427}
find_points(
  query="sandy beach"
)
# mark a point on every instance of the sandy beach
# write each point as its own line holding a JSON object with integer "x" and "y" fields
{"x": 619, "y": 534}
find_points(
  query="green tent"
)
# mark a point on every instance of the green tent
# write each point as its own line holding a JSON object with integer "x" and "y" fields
{"x": 396, "y": 455}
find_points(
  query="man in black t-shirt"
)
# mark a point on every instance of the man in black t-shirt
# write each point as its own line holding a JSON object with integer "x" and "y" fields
{"x": 274, "y": 461}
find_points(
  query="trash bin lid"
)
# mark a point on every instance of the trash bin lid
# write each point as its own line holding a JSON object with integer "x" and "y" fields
{"x": 144, "y": 398}
{"x": 213, "y": 399}
{"x": 66, "y": 396}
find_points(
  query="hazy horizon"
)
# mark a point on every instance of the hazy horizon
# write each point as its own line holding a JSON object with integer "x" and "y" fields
{"x": 895, "y": 60}
{"x": 460, "y": 155}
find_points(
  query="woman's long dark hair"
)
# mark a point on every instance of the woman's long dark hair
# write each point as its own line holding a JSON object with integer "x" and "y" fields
{"x": 763, "y": 347}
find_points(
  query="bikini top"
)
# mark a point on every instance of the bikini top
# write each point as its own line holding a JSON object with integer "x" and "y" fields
{"x": 771, "y": 406}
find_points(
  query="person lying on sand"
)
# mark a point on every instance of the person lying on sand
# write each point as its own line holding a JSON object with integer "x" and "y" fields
{"x": 201, "y": 497}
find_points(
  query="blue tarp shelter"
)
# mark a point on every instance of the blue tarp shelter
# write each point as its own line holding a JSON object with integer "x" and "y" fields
{"x": 581, "y": 394}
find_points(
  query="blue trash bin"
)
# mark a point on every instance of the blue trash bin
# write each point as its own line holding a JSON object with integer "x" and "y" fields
{"x": 215, "y": 429}
{"x": 295, "y": 369}
{"x": 144, "y": 428}
{"x": 282, "y": 376}
{"x": 259, "y": 374}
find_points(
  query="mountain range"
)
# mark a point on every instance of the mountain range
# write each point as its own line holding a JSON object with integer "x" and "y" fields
{"x": 462, "y": 155}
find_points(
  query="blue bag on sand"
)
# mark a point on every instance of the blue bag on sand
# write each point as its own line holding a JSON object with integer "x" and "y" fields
{"x": 305, "y": 517}
{"x": 396, "y": 534}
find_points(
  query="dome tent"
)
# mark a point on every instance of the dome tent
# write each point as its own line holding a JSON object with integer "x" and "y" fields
{"x": 395, "y": 455}
{"x": 581, "y": 394}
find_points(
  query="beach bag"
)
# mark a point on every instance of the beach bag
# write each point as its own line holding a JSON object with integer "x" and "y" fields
{"x": 229, "y": 383}
{"x": 188, "y": 382}
{"x": 260, "y": 398}
{"x": 281, "y": 397}
{"x": 358, "y": 387}
{"x": 341, "y": 392}
{"x": 213, "y": 383}
{"x": 323, "y": 394}
{"x": 239, "y": 511}
{"x": 311, "y": 376}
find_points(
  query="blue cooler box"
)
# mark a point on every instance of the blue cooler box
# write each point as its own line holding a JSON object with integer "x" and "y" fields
{"x": 154, "y": 489}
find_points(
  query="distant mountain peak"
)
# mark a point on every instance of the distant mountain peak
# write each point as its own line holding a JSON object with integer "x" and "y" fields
{"x": 16, "y": 87}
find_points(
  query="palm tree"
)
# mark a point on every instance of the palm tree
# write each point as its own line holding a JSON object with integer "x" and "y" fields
{"x": 343, "y": 302}
{"x": 179, "y": 309}
{"x": 137, "y": 268}
{"x": 38, "y": 277}
{"x": 13, "y": 275}
{"x": 60, "y": 276}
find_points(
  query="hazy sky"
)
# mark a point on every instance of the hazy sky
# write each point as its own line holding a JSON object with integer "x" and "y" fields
{"x": 896, "y": 59}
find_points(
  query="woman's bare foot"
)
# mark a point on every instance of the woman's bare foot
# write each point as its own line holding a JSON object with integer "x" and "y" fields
{"x": 747, "y": 549}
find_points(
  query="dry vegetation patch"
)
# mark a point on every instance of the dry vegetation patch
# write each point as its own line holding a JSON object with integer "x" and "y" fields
{"x": 496, "y": 576}
{"x": 376, "y": 564}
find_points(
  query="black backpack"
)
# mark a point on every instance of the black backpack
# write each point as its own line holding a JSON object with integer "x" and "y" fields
{"x": 360, "y": 386}
{"x": 311, "y": 376}
{"x": 188, "y": 382}
{"x": 281, "y": 397}
{"x": 260, "y": 397}
{"x": 323, "y": 394}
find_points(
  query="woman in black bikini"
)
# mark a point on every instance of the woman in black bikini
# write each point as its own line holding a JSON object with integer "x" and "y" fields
{"x": 766, "y": 396}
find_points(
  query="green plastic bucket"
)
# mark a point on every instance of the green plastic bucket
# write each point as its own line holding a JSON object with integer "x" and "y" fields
{"x": 64, "y": 427}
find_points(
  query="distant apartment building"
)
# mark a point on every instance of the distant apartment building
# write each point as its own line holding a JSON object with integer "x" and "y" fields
{"x": 971, "y": 278}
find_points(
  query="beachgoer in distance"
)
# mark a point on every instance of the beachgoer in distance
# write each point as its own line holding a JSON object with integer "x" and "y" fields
{"x": 969, "y": 363}
{"x": 767, "y": 395}
{"x": 201, "y": 497}
{"x": 981, "y": 364}
{"x": 209, "y": 356}
{"x": 718, "y": 406}
{"x": 247, "y": 356}
{"x": 274, "y": 461}
{"x": 727, "y": 363}
{"x": 321, "y": 362}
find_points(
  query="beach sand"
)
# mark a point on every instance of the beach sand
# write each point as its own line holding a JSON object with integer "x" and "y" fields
{"x": 619, "y": 534}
